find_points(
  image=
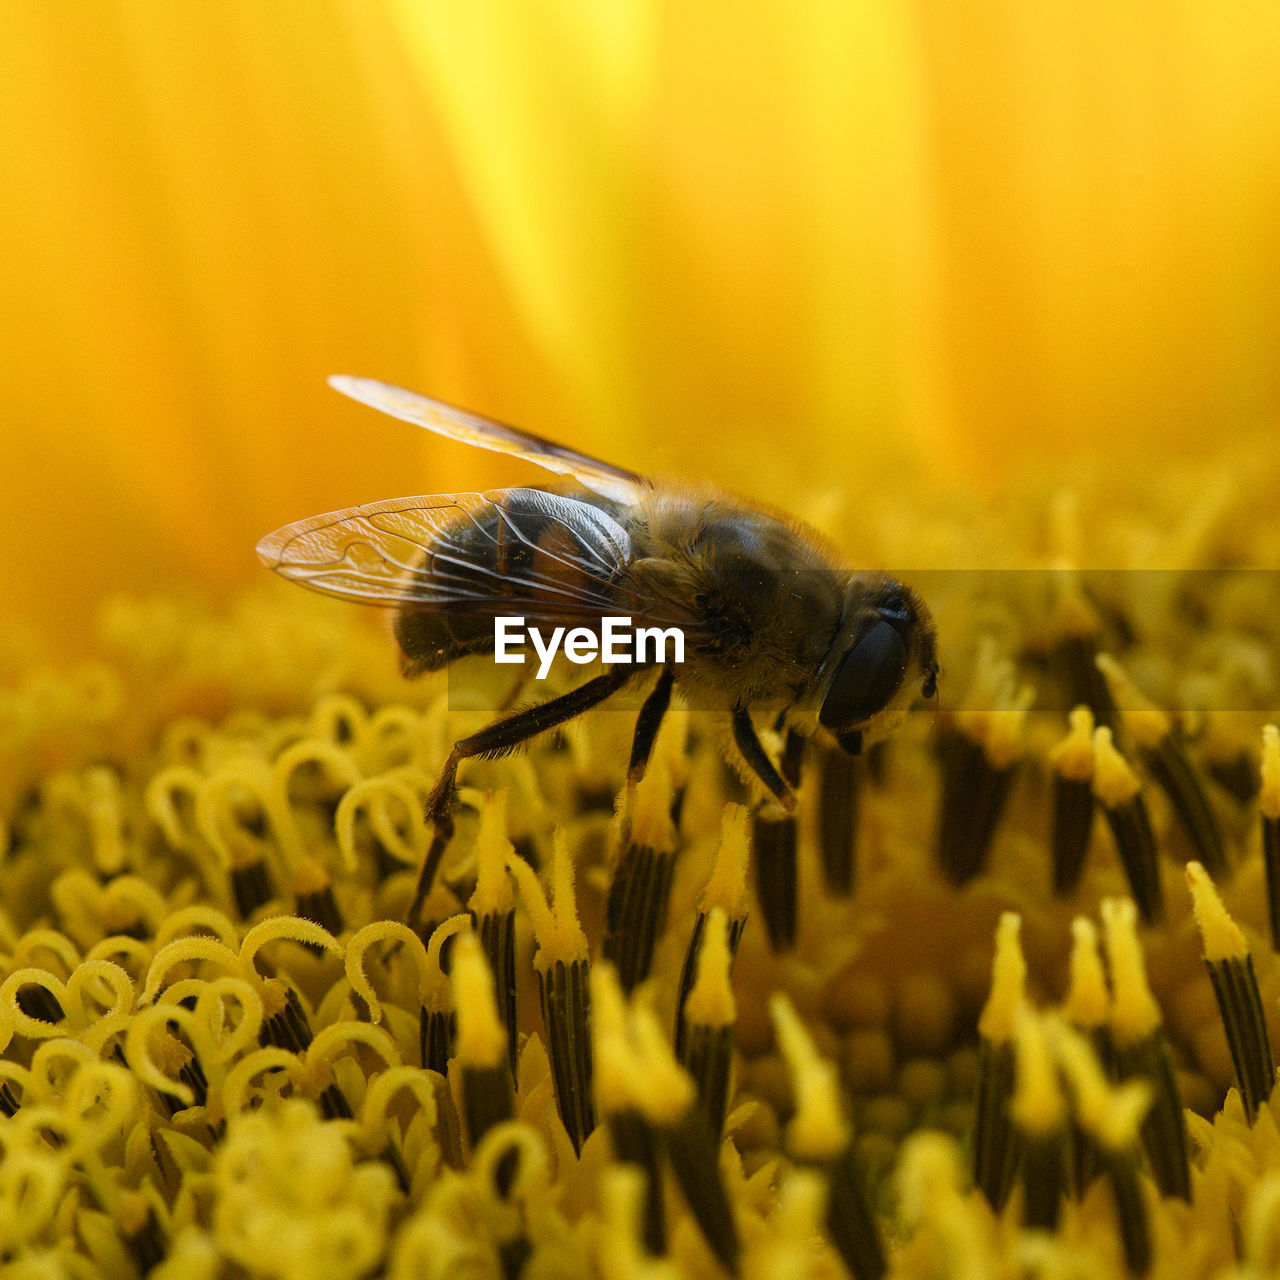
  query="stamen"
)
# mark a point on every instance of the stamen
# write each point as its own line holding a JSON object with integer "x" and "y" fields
{"x": 794, "y": 1224}
{"x": 669, "y": 1102}
{"x": 980, "y": 756}
{"x": 1088, "y": 1000}
{"x": 1039, "y": 1110}
{"x": 995, "y": 1142}
{"x": 493, "y": 908}
{"x": 1269, "y": 812}
{"x": 1161, "y": 750}
{"x": 1072, "y": 764}
{"x": 819, "y": 1136}
{"x": 636, "y": 912}
{"x": 1088, "y": 1010}
{"x": 1120, "y": 794}
{"x": 437, "y": 1020}
{"x": 147, "y": 1239}
{"x": 726, "y": 889}
{"x": 480, "y": 1049}
{"x": 839, "y": 790}
{"x": 635, "y": 1143}
{"x": 1142, "y": 1050}
{"x": 1073, "y": 656}
{"x": 1227, "y": 760}
{"x": 251, "y": 886}
{"x": 624, "y": 1228}
{"x": 640, "y": 1073}
{"x": 710, "y": 1013}
{"x": 1226, "y": 956}
{"x": 564, "y": 984}
{"x": 634, "y": 1139}
{"x": 934, "y": 1206}
{"x": 774, "y": 840}
{"x": 1112, "y": 1118}
{"x": 286, "y": 1024}
{"x": 313, "y": 896}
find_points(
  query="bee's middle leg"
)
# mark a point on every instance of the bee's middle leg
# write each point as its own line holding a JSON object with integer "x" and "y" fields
{"x": 753, "y": 752}
{"x": 497, "y": 740}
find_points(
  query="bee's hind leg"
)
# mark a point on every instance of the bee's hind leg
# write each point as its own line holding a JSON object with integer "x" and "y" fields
{"x": 496, "y": 740}
{"x": 753, "y": 752}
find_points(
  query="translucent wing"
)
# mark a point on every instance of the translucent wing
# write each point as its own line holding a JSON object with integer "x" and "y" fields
{"x": 470, "y": 428}
{"x": 507, "y": 551}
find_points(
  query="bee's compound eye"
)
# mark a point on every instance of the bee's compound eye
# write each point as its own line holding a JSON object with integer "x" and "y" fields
{"x": 866, "y": 679}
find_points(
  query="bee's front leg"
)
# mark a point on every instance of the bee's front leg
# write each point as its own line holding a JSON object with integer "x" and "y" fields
{"x": 753, "y": 752}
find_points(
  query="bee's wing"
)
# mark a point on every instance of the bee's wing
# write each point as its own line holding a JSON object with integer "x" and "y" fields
{"x": 509, "y": 551}
{"x": 600, "y": 477}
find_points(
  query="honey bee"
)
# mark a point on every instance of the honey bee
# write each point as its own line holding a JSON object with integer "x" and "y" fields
{"x": 771, "y": 624}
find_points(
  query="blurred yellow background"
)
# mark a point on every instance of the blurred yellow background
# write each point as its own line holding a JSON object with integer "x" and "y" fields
{"x": 785, "y": 247}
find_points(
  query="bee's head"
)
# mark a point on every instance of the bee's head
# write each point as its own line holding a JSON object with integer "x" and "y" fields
{"x": 886, "y": 641}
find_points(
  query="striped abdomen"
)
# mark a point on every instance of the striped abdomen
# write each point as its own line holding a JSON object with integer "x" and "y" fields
{"x": 538, "y": 555}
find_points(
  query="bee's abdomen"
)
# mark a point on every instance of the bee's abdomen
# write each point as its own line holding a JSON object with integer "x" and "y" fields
{"x": 526, "y": 555}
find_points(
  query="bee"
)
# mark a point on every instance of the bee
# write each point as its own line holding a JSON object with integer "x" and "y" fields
{"x": 772, "y": 624}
